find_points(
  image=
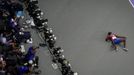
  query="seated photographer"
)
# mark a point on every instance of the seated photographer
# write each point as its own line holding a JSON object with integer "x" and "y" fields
{"x": 31, "y": 54}
{"x": 13, "y": 24}
{"x": 41, "y": 24}
{"x": 23, "y": 36}
{"x": 31, "y": 7}
{"x": 24, "y": 69}
{"x": 57, "y": 51}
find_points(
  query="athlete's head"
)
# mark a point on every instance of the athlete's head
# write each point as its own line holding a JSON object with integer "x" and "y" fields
{"x": 109, "y": 33}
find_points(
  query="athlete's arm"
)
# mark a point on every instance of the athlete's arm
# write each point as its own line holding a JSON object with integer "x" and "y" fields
{"x": 120, "y": 36}
{"x": 113, "y": 44}
{"x": 107, "y": 38}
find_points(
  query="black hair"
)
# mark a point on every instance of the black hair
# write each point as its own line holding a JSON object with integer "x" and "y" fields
{"x": 109, "y": 33}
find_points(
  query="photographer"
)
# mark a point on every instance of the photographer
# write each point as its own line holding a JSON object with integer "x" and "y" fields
{"x": 57, "y": 51}
{"x": 31, "y": 54}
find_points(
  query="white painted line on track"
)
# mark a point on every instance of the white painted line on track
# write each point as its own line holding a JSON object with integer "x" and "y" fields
{"x": 131, "y": 3}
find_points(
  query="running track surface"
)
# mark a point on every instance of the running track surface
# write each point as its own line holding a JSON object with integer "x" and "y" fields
{"x": 81, "y": 26}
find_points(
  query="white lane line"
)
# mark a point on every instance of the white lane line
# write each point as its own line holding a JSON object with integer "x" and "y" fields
{"x": 131, "y": 3}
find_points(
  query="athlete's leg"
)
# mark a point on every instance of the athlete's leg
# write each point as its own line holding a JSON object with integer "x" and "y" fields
{"x": 124, "y": 44}
{"x": 123, "y": 40}
{"x": 114, "y": 47}
{"x": 114, "y": 44}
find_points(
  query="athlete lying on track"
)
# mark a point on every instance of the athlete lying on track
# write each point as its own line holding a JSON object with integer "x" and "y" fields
{"x": 117, "y": 40}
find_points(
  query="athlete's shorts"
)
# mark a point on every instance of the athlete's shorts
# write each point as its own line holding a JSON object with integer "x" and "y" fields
{"x": 117, "y": 41}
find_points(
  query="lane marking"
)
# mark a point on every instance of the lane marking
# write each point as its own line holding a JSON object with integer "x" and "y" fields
{"x": 132, "y": 3}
